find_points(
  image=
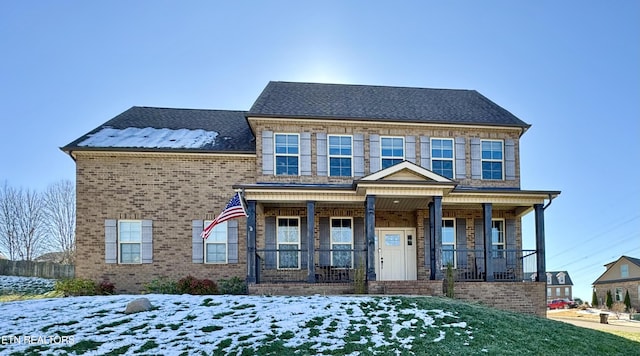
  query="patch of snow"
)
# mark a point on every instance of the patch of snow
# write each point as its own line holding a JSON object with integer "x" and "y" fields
{"x": 188, "y": 323}
{"x": 150, "y": 138}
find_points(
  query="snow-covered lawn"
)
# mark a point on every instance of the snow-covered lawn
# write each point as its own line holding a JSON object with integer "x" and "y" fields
{"x": 186, "y": 324}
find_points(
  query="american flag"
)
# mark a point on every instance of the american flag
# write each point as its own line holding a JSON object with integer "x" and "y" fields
{"x": 234, "y": 209}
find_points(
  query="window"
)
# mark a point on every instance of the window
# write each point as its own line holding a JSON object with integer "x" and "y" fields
{"x": 566, "y": 291}
{"x": 549, "y": 278}
{"x": 492, "y": 159}
{"x": 448, "y": 242}
{"x": 130, "y": 241}
{"x": 548, "y": 292}
{"x": 442, "y": 156}
{"x": 287, "y": 154}
{"x": 215, "y": 246}
{"x": 557, "y": 292}
{"x": 340, "y": 156}
{"x": 392, "y": 151}
{"x": 619, "y": 295}
{"x": 497, "y": 238}
{"x": 341, "y": 239}
{"x": 288, "y": 243}
{"x": 560, "y": 278}
{"x": 624, "y": 271}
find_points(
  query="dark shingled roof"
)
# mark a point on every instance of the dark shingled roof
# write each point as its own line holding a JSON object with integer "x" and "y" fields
{"x": 234, "y": 134}
{"x": 380, "y": 103}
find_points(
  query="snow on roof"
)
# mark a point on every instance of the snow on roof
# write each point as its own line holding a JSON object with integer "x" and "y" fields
{"x": 150, "y": 137}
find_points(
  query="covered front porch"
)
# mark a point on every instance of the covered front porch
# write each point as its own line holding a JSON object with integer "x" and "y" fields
{"x": 404, "y": 223}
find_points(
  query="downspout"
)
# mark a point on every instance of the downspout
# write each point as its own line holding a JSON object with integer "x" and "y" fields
{"x": 549, "y": 203}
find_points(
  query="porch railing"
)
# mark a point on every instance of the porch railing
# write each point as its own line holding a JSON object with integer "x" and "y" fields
{"x": 342, "y": 265}
{"x": 291, "y": 265}
{"x": 507, "y": 265}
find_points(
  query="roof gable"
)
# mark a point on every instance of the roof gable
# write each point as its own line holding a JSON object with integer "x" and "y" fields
{"x": 612, "y": 272}
{"x": 407, "y": 171}
{"x": 381, "y": 103}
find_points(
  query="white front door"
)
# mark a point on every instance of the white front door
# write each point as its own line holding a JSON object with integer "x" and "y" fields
{"x": 395, "y": 254}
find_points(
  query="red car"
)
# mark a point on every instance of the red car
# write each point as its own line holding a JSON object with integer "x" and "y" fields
{"x": 561, "y": 304}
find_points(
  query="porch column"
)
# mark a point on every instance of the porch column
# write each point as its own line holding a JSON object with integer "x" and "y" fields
{"x": 311, "y": 248}
{"x": 541, "y": 268}
{"x": 487, "y": 210}
{"x": 251, "y": 242}
{"x": 436, "y": 206}
{"x": 370, "y": 234}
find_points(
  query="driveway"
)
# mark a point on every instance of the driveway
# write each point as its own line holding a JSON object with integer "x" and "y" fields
{"x": 591, "y": 319}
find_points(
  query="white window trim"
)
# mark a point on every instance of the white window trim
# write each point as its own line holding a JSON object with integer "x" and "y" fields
{"x": 276, "y": 155}
{"x": 392, "y": 157}
{"x": 560, "y": 278}
{"x": 615, "y": 295}
{"x": 492, "y": 160}
{"x": 452, "y": 159}
{"x": 455, "y": 241}
{"x": 330, "y": 156}
{"x": 120, "y": 243}
{"x": 222, "y": 225}
{"x": 549, "y": 278}
{"x": 504, "y": 237}
{"x": 331, "y": 236}
{"x": 287, "y": 243}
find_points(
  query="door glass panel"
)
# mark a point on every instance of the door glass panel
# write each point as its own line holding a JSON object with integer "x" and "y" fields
{"x": 392, "y": 240}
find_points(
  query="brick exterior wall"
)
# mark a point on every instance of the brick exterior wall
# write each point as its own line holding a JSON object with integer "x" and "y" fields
{"x": 632, "y": 286}
{"x": 171, "y": 190}
{"x": 521, "y": 297}
{"x": 349, "y": 128}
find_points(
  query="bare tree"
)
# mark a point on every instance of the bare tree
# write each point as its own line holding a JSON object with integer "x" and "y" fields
{"x": 30, "y": 222}
{"x": 60, "y": 219}
{"x": 8, "y": 222}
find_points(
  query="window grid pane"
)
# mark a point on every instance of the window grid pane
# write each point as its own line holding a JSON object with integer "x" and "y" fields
{"x": 286, "y": 154}
{"x": 216, "y": 253}
{"x": 288, "y": 243}
{"x": 392, "y": 151}
{"x": 130, "y": 253}
{"x": 341, "y": 239}
{"x": 340, "y": 156}
{"x": 492, "y": 160}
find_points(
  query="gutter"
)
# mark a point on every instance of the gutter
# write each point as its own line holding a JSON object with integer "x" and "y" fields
{"x": 549, "y": 203}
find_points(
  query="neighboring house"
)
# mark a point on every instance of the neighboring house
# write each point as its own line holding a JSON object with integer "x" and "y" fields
{"x": 621, "y": 276}
{"x": 394, "y": 182}
{"x": 559, "y": 285}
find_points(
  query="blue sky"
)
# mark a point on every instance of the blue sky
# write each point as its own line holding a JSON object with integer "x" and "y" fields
{"x": 569, "y": 68}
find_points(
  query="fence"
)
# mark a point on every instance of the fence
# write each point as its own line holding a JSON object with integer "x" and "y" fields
{"x": 36, "y": 269}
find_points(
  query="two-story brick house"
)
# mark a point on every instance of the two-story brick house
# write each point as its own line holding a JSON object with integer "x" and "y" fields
{"x": 398, "y": 182}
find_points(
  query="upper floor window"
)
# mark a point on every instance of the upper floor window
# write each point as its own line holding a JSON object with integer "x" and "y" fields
{"x": 492, "y": 159}
{"x": 560, "y": 278}
{"x": 624, "y": 271}
{"x": 130, "y": 241}
{"x": 442, "y": 156}
{"x": 288, "y": 243}
{"x": 340, "y": 155}
{"x": 215, "y": 250}
{"x": 448, "y": 243}
{"x": 287, "y": 154}
{"x": 392, "y": 151}
{"x": 341, "y": 239}
{"x": 549, "y": 278}
{"x": 497, "y": 238}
